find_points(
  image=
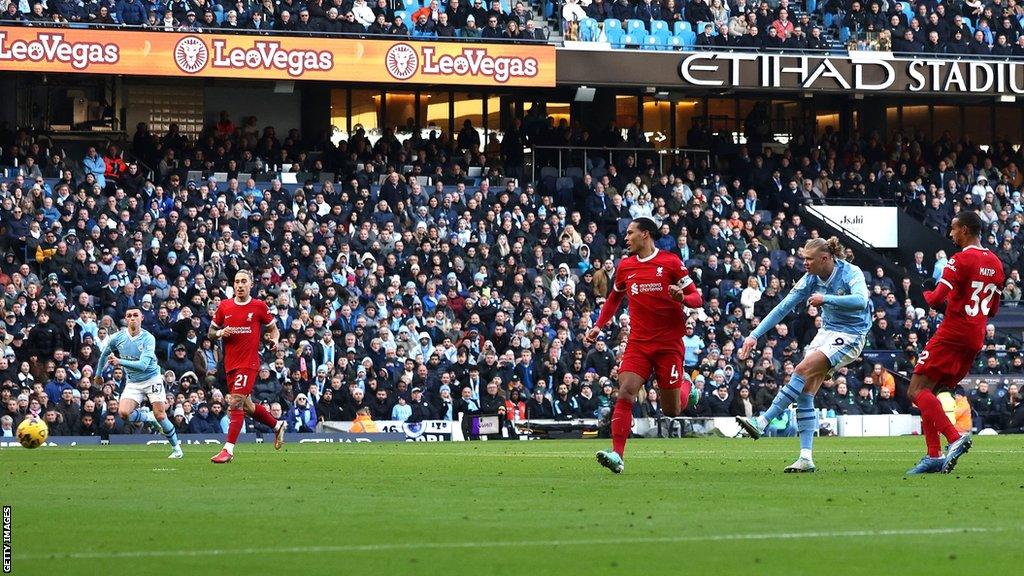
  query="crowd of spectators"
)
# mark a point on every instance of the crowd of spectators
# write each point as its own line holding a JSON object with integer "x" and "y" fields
{"x": 391, "y": 18}
{"x": 399, "y": 299}
{"x": 924, "y": 27}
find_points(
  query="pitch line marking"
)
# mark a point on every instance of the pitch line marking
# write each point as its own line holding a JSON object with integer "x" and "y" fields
{"x": 508, "y": 544}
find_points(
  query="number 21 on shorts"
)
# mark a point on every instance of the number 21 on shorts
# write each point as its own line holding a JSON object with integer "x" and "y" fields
{"x": 241, "y": 380}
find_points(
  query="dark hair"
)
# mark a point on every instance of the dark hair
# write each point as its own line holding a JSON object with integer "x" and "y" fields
{"x": 971, "y": 220}
{"x": 646, "y": 224}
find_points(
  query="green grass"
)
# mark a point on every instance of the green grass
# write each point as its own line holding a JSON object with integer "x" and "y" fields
{"x": 692, "y": 506}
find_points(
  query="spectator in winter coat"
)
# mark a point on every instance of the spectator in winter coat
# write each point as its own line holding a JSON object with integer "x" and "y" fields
{"x": 302, "y": 416}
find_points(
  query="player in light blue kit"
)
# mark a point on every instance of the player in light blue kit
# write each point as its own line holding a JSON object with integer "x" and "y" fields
{"x": 135, "y": 350}
{"x": 839, "y": 290}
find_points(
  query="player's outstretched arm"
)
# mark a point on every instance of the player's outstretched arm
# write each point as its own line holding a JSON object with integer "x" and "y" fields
{"x": 796, "y": 295}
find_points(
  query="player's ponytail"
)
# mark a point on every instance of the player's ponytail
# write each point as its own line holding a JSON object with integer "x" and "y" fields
{"x": 831, "y": 247}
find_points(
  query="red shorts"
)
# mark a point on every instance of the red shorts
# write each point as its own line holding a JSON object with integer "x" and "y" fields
{"x": 665, "y": 362}
{"x": 241, "y": 381}
{"x": 944, "y": 363}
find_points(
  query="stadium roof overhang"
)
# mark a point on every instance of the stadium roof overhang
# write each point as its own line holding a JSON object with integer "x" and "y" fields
{"x": 861, "y": 73}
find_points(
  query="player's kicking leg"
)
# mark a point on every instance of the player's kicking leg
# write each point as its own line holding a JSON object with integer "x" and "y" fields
{"x": 800, "y": 390}
{"x": 933, "y": 423}
{"x": 630, "y": 384}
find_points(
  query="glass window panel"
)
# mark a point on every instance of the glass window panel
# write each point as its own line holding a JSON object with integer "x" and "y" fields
{"x": 978, "y": 123}
{"x": 365, "y": 113}
{"x": 1008, "y": 123}
{"x": 339, "y": 114}
{"x": 687, "y": 111}
{"x": 657, "y": 122}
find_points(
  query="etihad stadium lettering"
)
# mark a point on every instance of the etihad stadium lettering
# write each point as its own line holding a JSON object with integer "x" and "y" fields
{"x": 863, "y": 72}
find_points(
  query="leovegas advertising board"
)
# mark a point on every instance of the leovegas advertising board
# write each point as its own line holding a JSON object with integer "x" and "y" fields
{"x": 274, "y": 57}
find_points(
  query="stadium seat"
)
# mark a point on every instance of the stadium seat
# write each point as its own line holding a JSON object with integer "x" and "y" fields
{"x": 548, "y": 172}
{"x": 844, "y": 34}
{"x": 908, "y": 11}
{"x": 574, "y": 172}
{"x": 679, "y": 26}
{"x": 588, "y": 30}
{"x": 614, "y": 35}
{"x": 674, "y": 43}
{"x": 659, "y": 28}
{"x": 812, "y": 6}
{"x": 828, "y": 20}
{"x": 633, "y": 26}
{"x": 635, "y": 40}
{"x": 653, "y": 43}
{"x": 688, "y": 39}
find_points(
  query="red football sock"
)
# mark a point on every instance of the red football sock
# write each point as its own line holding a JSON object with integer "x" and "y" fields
{"x": 235, "y": 420}
{"x": 931, "y": 409}
{"x": 622, "y": 424}
{"x": 931, "y": 438}
{"x": 263, "y": 416}
{"x": 684, "y": 395}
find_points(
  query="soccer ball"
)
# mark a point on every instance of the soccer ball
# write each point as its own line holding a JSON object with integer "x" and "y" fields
{"x": 32, "y": 432}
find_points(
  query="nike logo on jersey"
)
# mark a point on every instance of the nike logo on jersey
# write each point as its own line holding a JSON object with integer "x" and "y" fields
{"x": 631, "y": 275}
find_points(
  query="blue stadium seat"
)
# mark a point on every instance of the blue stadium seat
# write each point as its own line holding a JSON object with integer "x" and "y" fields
{"x": 653, "y": 43}
{"x": 844, "y": 34}
{"x": 614, "y": 37}
{"x": 678, "y": 27}
{"x": 635, "y": 40}
{"x": 659, "y": 28}
{"x": 675, "y": 43}
{"x": 633, "y": 26}
{"x": 908, "y": 11}
{"x": 588, "y": 30}
{"x": 812, "y": 6}
{"x": 688, "y": 39}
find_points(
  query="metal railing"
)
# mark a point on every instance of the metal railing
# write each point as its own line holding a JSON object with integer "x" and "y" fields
{"x": 589, "y": 157}
{"x": 270, "y": 31}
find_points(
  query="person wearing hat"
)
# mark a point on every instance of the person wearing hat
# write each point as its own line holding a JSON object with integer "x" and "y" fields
{"x": 302, "y": 416}
{"x": 655, "y": 282}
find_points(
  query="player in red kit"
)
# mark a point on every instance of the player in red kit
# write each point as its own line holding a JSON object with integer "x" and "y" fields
{"x": 240, "y": 322}
{"x": 655, "y": 283}
{"x": 970, "y": 286}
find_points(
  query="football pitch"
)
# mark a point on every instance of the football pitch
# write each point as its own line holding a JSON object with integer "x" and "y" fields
{"x": 691, "y": 506}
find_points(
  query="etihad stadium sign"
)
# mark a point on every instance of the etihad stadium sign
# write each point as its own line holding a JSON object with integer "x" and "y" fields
{"x": 858, "y": 72}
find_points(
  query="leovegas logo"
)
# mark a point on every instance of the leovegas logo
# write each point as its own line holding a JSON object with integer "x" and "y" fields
{"x": 54, "y": 48}
{"x": 477, "y": 62}
{"x": 401, "y": 61}
{"x": 191, "y": 55}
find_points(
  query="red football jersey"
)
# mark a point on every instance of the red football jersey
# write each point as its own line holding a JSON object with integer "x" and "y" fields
{"x": 241, "y": 350}
{"x": 975, "y": 278}
{"x": 653, "y": 315}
